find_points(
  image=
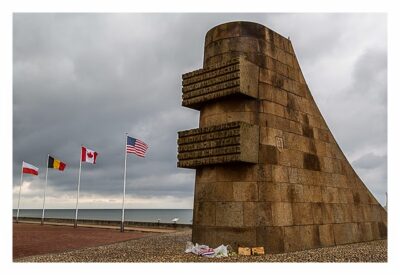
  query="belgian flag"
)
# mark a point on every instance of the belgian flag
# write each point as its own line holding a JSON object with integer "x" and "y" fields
{"x": 56, "y": 164}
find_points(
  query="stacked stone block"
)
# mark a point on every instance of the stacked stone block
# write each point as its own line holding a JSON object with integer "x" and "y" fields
{"x": 283, "y": 183}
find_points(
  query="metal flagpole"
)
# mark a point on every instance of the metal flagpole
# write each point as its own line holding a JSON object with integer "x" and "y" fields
{"x": 123, "y": 197}
{"x": 386, "y": 205}
{"x": 77, "y": 193}
{"x": 45, "y": 186}
{"x": 20, "y": 185}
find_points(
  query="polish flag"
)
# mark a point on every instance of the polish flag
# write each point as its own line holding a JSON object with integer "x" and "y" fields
{"x": 29, "y": 169}
{"x": 88, "y": 155}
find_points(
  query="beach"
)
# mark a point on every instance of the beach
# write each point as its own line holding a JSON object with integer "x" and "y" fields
{"x": 109, "y": 245}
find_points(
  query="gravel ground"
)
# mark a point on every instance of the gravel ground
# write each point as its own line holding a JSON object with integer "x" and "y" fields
{"x": 170, "y": 248}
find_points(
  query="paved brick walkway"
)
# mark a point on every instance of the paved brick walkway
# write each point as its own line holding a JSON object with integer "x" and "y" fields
{"x": 34, "y": 239}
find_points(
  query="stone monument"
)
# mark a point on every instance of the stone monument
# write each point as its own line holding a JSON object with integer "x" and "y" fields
{"x": 268, "y": 170}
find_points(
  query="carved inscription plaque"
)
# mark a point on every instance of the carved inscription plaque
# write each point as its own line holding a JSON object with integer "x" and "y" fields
{"x": 231, "y": 142}
{"x": 237, "y": 76}
{"x": 279, "y": 143}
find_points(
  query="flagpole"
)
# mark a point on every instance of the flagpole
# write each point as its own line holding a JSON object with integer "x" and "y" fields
{"x": 45, "y": 186}
{"x": 20, "y": 185}
{"x": 123, "y": 197}
{"x": 77, "y": 193}
{"x": 386, "y": 205}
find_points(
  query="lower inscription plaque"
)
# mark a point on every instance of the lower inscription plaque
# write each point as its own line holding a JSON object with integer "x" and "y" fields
{"x": 231, "y": 142}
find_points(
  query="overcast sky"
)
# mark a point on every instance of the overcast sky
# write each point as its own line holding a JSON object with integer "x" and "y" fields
{"x": 89, "y": 78}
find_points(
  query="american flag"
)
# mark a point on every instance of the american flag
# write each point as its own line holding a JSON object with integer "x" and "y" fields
{"x": 136, "y": 146}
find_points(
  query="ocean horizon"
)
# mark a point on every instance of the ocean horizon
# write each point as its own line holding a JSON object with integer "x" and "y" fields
{"x": 185, "y": 216}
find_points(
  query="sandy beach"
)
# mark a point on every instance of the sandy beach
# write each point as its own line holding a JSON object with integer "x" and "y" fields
{"x": 109, "y": 245}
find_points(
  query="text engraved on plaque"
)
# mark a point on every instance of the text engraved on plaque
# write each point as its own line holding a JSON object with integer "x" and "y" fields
{"x": 230, "y": 142}
{"x": 237, "y": 76}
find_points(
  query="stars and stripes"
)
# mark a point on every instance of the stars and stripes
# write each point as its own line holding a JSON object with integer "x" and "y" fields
{"x": 136, "y": 146}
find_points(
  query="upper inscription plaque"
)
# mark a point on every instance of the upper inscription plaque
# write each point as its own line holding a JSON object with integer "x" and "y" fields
{"x": 238, "y": 76}
{"x": 231, "y": 142}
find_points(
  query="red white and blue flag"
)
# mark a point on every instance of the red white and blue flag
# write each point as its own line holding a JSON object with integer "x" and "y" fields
{"x": 136, "y": 146}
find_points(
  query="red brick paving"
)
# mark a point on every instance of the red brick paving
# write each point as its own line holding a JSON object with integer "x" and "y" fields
{"x": 34, "y": 239}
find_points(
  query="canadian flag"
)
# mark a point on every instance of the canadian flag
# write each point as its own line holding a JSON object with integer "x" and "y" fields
{"x": 88, "y": 155}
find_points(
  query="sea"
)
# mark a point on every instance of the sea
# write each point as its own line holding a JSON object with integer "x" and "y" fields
{"x": 185, "y": 216}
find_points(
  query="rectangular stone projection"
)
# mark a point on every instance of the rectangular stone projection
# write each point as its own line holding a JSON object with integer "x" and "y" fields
{"x": 235, "y": 77}
{"x": 225, "y": 143}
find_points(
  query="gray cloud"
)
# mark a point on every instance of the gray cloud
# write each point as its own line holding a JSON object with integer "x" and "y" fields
{"x": 370, "y": 161}
{"x": 372, "y": 169}
{"x": 361, "y": 110}
{"x": 88, "y": 78}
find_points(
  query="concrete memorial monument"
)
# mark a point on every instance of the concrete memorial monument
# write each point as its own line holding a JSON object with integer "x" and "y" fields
{"x": 268, "y": 170}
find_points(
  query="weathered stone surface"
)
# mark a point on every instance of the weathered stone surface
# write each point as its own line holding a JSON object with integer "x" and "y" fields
{"x": 292, "y": 193}
{"x": 204, "y": 213}
{"x": 214, "y": 191}
{"x": 291, "y": 158}
{"x": 238, "y": 173}
{"x": 273, "y": 94}
{"x": 366, "y": 231}
{"x": 312, "y": 193}
{"x": 268, "y": 154}
{"x": 235, "y": 236}
{"x": 271, "y": 237}
{"x": 326, "y": 236}
{"x": 204, "y": 234}
{"x": 282, "y": 214}
{"x": 257, "y": 213}
{"x": 327, "y": 213}
{"x": 268, "y": 170}
{"x": 343, "y": 233}
{"x": 317, "y": 213}
{"x": 280, "y": 173}
{"x": 293, "y": 176}
{"x": 269, "y": 191}
{"x": 244, "y": 191}
{"x": 310, "y": 236}
{"x": 229, "y": 214}
{"x": 302, "y": 213}
{"x": 292, "y": 238}
{"x": 311, "y": 162}
{"x": 206, "y": 174}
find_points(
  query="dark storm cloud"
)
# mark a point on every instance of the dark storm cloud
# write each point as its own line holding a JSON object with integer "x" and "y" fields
{"x": 88, "y": 78}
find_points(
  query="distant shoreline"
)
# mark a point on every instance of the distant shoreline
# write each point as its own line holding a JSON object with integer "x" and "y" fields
{"x": 183, "y": 216}
{"x": 104, "y": 222}
{"x": 15, "y": 209}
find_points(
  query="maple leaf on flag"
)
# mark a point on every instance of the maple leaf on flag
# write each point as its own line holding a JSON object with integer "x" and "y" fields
{"x": 88, "y": 155}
